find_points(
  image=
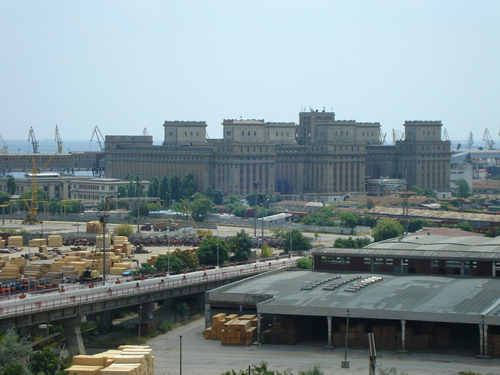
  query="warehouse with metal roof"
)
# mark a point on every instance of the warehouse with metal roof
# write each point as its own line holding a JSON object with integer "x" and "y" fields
{"x": 405, "y": 312}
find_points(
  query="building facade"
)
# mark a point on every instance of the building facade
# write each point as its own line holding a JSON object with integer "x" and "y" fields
{"x": 319, "y": 155}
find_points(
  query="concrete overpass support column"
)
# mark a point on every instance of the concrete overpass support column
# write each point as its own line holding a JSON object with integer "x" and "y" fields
{"x": 147, "y": 311}
{"x": 208, "y": 319}
{"x": 329, "y": 319}
{"x": 106, "y": 319}
{"x": 481, "y": 339}
{"x": 485, "y": 337}
{"x": 403, "y": 335}
{"x": 259, "y": 323}
{"x": 74, "y": 335}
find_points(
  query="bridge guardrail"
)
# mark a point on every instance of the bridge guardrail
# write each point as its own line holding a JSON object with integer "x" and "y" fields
{"x": 66, "y": 299}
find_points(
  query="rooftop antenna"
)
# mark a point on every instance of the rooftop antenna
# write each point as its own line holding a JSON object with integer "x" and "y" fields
{"x": 145, "y": 132}
{"x": 32, "y": 138}
{"x": 58, "y": 140}
{"x": 446, "y": 137}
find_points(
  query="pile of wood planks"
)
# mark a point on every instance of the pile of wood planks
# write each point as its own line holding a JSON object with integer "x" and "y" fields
{"x": 127, "y": 360}
{"x": 232, "y": 329}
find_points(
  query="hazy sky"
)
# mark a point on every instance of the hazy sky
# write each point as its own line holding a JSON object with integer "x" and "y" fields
{"x": 128, "y": 65}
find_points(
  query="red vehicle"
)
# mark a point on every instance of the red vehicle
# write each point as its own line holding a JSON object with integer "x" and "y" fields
{"x": 146, "y": 227}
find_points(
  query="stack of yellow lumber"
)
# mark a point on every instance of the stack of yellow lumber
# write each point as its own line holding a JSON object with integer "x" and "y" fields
{"x": 11, "y": 271}
{"x": 2, "y": 243}
{"x": 99, "y": 241}
{"x": 94, "y": 227}
{"x": 55, "y": 240}
{"x": 118, "y": 268}
{"x": 15, "y": 241}
{"x": 233, "y": 330}
{"x": 128, "y": 360}
{"x": 36, "y": 242}
{"x": 19, "y": 261}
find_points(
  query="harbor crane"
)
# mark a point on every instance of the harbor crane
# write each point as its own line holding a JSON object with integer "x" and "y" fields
{"x": 446, "y": 137}
{"x": 5, "y": 148}
{"x": 99, "y": 137}
{"x": 470, "y": 142}
{"x": 32, "y": 138}
{"x": 58, "y": 140}
{"x": 490, "y": 144}
{"x": 32, "y": 215}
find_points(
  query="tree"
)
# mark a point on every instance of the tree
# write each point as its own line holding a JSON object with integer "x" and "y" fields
{"x": 4, "y": 197}
{"x": 188, "y": 186}
{"x": 207, "y": 251}
{"x": 200, "y": 207}
{"x": 164, "y": 191}
{"x": 44, "y": 362}
{"x": 350, "y": 243}
{"x": 416, "y": 224}
{"x": 14, "y": 353}
{"x": 145, "y": 268}
{"x": 349, "y": 219}
{"x": 429, "y": 193}
{"x": 387, "y": 228}
{"x": 164, "y": 264}
{"x": 323, "y": 217}
{"x": 188, "y": 258}
{"x": 294, "y": 241}
{"x": 154, "y": 187}
{"x": 262, "y": 369}
{"x": 175, "y": 187}
{"x": 124, "y": 230}
{"x": 305, "y": 264}
{"x": 241, "y": 245}
{"x": 11, "y": 185}
{"x": 463, "y": 189}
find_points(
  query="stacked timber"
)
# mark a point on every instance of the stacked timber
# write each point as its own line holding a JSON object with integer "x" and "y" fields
{"x": 119, "y": 268}
{"x": 233, "y": 330}
{"x": 36, "y": 242}
{"x": 2, "y": 243}
{"x": 284, "y": 332}
{"x": 99, "y": 241}
{"x": 15, "y": 241}
{"x": 128, "y": 360}
{"x": 11, "y": 271}
{"x": 55, "y": 240}
{"x": 94, "y": 227}
{"x": 3, "y": 260}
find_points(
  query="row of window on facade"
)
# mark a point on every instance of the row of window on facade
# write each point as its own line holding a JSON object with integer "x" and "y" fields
{"x": 390, "y": 262}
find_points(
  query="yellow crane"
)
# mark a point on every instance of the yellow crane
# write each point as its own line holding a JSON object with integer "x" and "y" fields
{"x": 199, "y": 232}
{"x": 32, "y": 215}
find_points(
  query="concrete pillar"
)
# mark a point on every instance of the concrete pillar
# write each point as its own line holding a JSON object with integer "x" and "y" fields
{"x": 258, "y": 326}
{"x": 208, "y": 318}
{"x": 106, "y": 319}
{"x": 481, "y": 339}
{"x": 147, "y": 311}
{"x": 74, "y": 335}
{"x": 329, "y": 319}
{"x": 485, "y": 337}
{"x": 403, "y": 335}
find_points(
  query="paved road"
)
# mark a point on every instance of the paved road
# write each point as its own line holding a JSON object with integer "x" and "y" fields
{"x": 208, "y": 357}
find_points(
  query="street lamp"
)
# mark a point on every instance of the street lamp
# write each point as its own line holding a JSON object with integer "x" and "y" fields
{"x": 217, "y": 245}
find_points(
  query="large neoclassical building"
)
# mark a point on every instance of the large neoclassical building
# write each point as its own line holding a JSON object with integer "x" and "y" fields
{"x": 320, "y": 155}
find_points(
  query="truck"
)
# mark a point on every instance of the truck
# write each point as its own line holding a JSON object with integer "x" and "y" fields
{"x": 160, "y": 226}
{"x": 146, "y": 227}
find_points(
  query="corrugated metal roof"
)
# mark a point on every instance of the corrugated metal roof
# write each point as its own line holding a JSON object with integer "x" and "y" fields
{"x": 431, "y": 298}
{"x": 431, "y": 214}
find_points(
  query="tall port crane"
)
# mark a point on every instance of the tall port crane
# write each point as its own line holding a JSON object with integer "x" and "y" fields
{"x": 32, "y": 215}
{"x": 5, "y": 148}
{"x": 98, "y": 135}
{"x": 58, "y": 140}
{"x": 470, "y": 142}
{"x": 490, "y": 144}
{"x": 32, "y": 138}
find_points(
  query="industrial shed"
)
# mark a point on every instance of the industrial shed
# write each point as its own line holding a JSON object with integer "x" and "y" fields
{"x": 418, "y": 254}
{"x": 405, "y": 312}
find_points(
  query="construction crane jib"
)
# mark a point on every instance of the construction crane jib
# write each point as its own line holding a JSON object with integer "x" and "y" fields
{"x": 32, "y": 215}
